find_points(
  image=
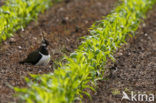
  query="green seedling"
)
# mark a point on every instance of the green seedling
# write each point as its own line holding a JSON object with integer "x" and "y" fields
{"x": 16, "y": 14}
{"x": 69, "y": 81}
{"x": 115, "y": 92}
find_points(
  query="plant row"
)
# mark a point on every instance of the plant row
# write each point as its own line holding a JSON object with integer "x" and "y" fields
{"x": 86, "y": 65}
{"x": 16, "y": 14}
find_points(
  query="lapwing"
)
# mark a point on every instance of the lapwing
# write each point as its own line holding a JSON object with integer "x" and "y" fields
{"x": 38, "y": 57}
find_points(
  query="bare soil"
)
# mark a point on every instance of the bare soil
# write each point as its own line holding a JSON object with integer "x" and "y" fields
{"x": 1, "y": 2}
{"x": 136, "y": 67}
{"x": 64, "y": 24}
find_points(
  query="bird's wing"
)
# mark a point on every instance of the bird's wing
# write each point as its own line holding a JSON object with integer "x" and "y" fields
{"x": 33, "y": 57}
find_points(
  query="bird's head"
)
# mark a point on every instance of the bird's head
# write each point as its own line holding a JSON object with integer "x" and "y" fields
{"x": 45, "y": 43}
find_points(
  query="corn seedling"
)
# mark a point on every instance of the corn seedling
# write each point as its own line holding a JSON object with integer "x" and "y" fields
{"x": 68, "y": 81}
{"x": 16, "y": 14}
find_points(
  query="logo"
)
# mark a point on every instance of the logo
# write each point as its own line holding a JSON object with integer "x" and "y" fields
{"x": 140, "y": 97}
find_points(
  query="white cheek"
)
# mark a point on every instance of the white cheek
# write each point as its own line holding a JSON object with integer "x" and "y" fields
{"x": 43, "y": 44}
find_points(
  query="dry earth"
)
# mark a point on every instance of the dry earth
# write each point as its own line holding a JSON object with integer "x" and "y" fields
{"x": 136, "y": 67}
{"x": 64, "y": 24}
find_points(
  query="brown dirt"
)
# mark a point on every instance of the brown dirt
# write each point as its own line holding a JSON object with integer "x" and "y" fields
{"x": 1, "y": 2}
{"x": 64, "y": 24}
{"x": 136, "y": 67}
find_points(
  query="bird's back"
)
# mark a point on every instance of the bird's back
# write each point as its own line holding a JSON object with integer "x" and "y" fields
{"x": 32, "y": 58}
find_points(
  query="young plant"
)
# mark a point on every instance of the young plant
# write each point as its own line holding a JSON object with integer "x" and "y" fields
{"x": 16, "y": 14}
{"x": 86, "y": 65}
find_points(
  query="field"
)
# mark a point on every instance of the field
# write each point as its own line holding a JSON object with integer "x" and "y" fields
{"x": 64, "y": 24}
{"x": 136, "y": 66}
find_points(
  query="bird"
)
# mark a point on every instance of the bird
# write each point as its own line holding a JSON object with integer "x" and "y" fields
{"x": 38, "y": 57}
